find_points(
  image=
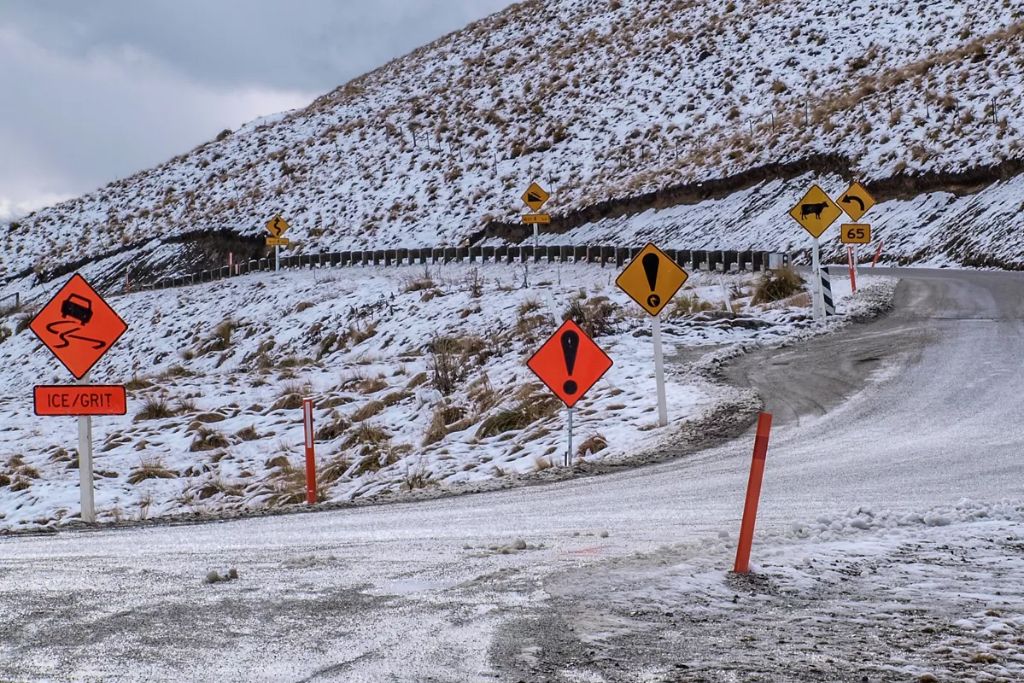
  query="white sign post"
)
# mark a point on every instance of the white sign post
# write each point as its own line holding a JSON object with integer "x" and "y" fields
{"x": 85, "y": 481}
{"x": 816, "y": 292}
{"x": 568, "y": 453}
{"x": 659, "y": 370}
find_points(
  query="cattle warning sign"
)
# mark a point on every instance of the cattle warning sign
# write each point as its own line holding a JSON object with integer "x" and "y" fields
{"x": 569, "y": 363}
{"x": 78, "y": 326}
{"x": 815, "y": 212}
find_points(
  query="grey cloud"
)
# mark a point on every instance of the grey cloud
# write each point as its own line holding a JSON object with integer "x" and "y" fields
{"x": 100, "y": 89}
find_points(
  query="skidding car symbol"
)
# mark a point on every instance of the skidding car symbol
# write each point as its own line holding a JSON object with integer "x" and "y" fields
{"x": 77, "y": 307}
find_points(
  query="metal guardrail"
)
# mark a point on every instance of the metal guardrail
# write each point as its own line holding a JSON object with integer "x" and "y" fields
{"x": 693, "y": 260}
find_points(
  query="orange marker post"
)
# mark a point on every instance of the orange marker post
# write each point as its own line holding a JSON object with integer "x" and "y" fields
{"x": 307, "y": 419}
{"x": 764, "y": 428}
{"x": 878, "y": 254}
{"x": 853, "y": 268}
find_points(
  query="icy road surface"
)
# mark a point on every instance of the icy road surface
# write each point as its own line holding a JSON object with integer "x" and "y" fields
{"x": 868, "y": 561}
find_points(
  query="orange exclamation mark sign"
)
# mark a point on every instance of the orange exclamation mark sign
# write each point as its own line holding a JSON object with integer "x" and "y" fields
{"x": 651, "y": 263}
{"x": 570, "y": 347}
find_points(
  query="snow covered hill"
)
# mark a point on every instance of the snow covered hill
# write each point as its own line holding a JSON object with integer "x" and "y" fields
{"x": 621, "y": 107}
{"x": 418, "y": 374}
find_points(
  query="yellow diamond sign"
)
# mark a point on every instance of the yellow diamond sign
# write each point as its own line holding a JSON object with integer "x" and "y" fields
{"x": 535, "y": 196}
{"x": 652, "y": 279}
{"x": 856, "y": 201}
{"x": 277, "y": 226}
{"x": 816, "y": 211}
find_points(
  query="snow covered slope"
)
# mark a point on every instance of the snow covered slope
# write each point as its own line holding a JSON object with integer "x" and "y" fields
{"x": 619, "y": 106}
{"x": 419, "y": 379}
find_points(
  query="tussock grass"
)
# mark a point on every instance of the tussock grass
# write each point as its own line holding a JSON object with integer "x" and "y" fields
{"x": 777, "y": 284}
{"x": 247, "y": 433}
{"x": 367, "y": 410}
{"x": 592, "y": 444}
{"x": 150, "y": 469}
{"x": 208, "y": 439}
{"x": 597, "y": 316}
{"x": 531, "y": 407}
{"x": 155, "y": 408}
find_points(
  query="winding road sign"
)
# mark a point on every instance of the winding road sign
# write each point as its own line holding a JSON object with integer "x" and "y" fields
{"x": 652, "y": 279}
{"x": 78, "y": 326}
{"x": 815, "y": 212}
{"x": 569, "y": 363}
{"x": 277, "y": 226}
{"x": 856, "y": 201}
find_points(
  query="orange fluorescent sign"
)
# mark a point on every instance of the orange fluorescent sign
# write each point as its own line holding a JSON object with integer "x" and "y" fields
{"x": 78, "y": 326}
{"x": 84, "y": 399}
{"x": 569, "y": 363}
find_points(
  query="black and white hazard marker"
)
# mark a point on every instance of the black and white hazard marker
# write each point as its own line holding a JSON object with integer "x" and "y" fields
{"x": 826, "y": 291}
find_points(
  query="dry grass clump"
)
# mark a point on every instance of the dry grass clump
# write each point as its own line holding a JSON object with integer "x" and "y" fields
{"x": 367, "y": 410}
{"x": 220, "y": 340}
{"x": 452, "y": 357}
{"x": 287, "y": 486}
{"x": 155, "y": 408}
{"x": 207, "y": 439}
{"x": 445, "y": 420}
{"x": 688, "y": 305}
{"x": 290, "y": 397}
{"x": 777, "y": 284}
{"x": 377, "y": 458}
{"x": 150, "y": 469}
{"x": 366, "y": 434}
{"x": 396, "y": 397}
{"x": 247, "y": 433}
{"x": 532, "y": 405}
{"x": 531, "y": 322}
{"x": 333, "y": 470}
{"x": 371, "y": 385}
{"x": 596, "y": 316}
{"x": 592, "y": 444}
{"x": 333, "y": 428}
{"x": 417, "y": 380}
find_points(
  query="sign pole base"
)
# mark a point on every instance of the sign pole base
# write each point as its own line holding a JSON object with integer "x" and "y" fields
{"x": 277, "y": 258}
{"x": 659, "y": 370}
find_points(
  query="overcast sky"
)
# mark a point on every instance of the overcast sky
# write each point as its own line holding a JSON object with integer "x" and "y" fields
{"x": 94, "y": 90}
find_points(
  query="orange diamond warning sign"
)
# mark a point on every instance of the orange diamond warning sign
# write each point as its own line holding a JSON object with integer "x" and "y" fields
{"x": 78, "y": 326}
{"x": 569, "y": 363}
